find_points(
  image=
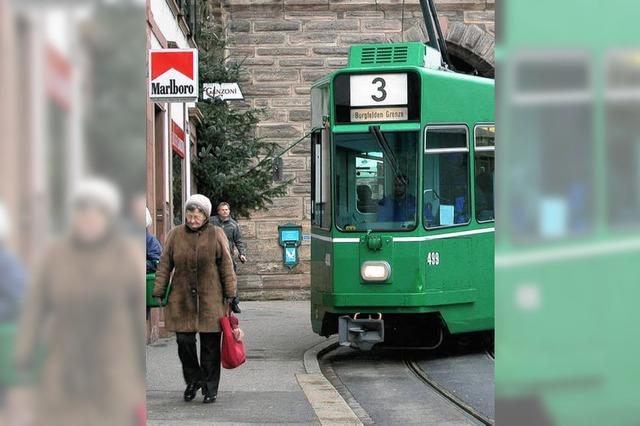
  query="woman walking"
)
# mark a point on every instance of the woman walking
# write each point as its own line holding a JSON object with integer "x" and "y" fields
{"x": 203, "y": 282}
{"x": 80, "y": 329}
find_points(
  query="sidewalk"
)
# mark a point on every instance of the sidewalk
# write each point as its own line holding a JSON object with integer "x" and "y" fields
{"x": 262, "y": 391}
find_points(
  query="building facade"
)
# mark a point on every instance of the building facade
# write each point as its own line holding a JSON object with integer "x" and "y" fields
{"x": 171, "y": 131}
{"x": 285, "y": 45}
{"x": 41, "y": 112}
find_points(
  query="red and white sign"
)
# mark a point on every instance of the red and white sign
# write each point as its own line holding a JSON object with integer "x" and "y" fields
{"x": 178, "y": 143}
{"x": 173, "y": 75}
{"x": 58, "y": 77}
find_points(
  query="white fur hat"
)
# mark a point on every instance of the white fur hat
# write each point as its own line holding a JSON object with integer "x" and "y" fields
{"x": 5, "y": 224}
{"x": 199, "y": 201}
{"x": 148, "y": 217}
{"x": 99, "y": 191}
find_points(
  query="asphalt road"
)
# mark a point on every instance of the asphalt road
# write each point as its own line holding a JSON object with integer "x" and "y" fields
{"x": 380, "y": 384}
{"x": 467, "y": 376}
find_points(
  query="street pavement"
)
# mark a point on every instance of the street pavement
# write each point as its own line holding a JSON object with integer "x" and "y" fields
{"x": 388, "y": 392}
{"x": 264, "y": 390}
{"x": 470, "y": 377}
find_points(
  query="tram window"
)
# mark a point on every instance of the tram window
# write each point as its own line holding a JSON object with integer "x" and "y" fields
{"x": 446, "y": 177}
{"x": 369, "y": 178}
{"x": 320, "y": 190}
{"x": 484, "y": 171}
{"x": 623, "y": 127}
{"x": 547, "y": 175}
{"x": 376, "y": 181}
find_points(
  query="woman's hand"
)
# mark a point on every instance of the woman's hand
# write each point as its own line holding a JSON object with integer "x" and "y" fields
{"x": 233, "y": 303}
{"x": 238, "y": 334}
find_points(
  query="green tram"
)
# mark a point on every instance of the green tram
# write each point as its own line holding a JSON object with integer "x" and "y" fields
{"x": 403, "y": 157}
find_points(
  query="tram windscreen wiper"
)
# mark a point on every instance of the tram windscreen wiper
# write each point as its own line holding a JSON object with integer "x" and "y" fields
{"x": 384, "y": 144}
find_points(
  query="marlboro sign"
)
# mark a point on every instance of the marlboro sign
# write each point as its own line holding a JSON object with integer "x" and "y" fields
{"x": 173, "y": 75}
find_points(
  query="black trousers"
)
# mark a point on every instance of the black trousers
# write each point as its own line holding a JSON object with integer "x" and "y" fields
{"x": 207, "y": 371}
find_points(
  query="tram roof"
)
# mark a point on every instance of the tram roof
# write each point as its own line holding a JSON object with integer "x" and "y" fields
{"x": 415, "y": 59}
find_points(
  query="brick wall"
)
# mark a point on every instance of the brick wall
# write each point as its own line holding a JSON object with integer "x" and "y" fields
{"x": 288, "y": 44}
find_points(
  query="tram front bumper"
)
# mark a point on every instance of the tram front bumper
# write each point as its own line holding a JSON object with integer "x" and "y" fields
{"x": 361, "y": 333}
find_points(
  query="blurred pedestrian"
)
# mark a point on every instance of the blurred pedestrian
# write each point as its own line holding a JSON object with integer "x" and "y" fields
{"x": 12, "y": 285}
{"x": 154, "y": 248}
{"x": 203, "y": 282}
{"x": 82, "y": 312}
{"x": 231, "y": 230}
{"x": 12, "y": 273}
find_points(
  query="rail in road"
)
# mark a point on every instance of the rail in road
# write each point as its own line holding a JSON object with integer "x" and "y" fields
{"x": 445, "y": 387}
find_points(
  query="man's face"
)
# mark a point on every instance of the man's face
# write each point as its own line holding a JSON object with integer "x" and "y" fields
{"x": 224, "y": 212}
{"x": 400, "y": 187}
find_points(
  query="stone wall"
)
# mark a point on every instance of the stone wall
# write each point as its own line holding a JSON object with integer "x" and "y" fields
{"x": 285, "y": 45}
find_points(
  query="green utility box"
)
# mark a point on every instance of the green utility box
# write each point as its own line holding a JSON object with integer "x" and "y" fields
{"x": 151, "y": 301}
{"x": 289, "y": 237}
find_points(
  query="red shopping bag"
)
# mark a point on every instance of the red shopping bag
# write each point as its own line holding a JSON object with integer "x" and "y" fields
{"x": 232, "y": 352}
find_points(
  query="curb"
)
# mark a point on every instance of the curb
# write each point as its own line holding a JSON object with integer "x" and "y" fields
{"x": 329, "y": 406}
{"x": 311, "y": 355}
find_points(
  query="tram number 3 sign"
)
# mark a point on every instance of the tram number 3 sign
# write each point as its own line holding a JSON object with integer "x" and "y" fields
{"x": 378, "y": 90}
{"x": 433, "y": 258}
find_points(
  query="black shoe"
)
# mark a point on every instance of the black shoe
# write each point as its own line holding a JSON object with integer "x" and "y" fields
{"x": 190, "y": 391}
{"x": 208, "y": 399}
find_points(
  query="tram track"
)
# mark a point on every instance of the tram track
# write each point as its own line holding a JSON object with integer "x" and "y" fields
{"x": 388, "y": 386}
{"x": 421, "y": 375}
{"x": 490, "y": 354}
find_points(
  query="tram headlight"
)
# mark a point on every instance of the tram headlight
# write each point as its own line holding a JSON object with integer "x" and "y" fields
{"x": 375, "y": 270}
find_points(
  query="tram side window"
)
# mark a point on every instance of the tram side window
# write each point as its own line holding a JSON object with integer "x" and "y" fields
{"x": 321, "y": 199}
{"x": 446, "y": 176}
{"x": 622, "y": 130}
{"x": 547, "y": 174}
{"x": 485, "y": 160}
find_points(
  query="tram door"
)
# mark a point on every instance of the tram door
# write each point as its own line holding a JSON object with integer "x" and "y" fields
{"x": 321, "y": 249}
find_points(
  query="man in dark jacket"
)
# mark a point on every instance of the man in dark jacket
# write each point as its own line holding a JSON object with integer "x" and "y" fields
{"x": 231, "y": 230}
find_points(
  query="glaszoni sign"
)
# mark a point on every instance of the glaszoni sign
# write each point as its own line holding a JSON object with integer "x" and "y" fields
{"x": 173, "y": 75}
{"x": 224, "y": 91}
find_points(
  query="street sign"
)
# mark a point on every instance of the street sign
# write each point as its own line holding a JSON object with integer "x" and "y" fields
{"x": 224, "y": 91}
{"x": 178, "y": 143}
{"x": 173, "y": 75}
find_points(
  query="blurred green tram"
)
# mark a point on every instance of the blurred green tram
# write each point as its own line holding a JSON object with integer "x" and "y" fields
{"x": 402, "y": 233}
{"x": 567, "y": 250}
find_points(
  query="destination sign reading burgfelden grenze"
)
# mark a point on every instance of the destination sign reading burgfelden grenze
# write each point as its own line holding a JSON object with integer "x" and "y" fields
{"x": 379, "y": 97}
{"x": 173, "y": 75}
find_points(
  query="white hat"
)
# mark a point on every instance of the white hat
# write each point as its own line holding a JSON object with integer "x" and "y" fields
{"x": 5, "y": 224}
{"x": 199, "y": 201}
{"x": 99, "y": 191}
{"x": 148, "y": 217}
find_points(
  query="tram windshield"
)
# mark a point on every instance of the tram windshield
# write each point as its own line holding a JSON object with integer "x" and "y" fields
{"x": 376, "y": 181}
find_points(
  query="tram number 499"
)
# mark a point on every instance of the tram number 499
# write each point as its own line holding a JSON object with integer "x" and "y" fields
{"x": 433, "y": 258}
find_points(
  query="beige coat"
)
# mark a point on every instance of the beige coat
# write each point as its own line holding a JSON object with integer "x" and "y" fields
{"x": 203, "y": 277}
{"x": 84, "y": 311}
